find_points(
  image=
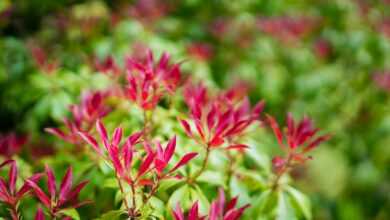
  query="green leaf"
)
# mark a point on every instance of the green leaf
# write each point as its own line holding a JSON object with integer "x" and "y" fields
{"x": 181, "y": 196}
{"x": 110, "y": 183}
{"x": 212, "y": 178}
{"x": 301, "y": 201}
{"x": 112, "y": 215}
{"x": 168, "y": 183}
{"x": 71, "y": 213}
{"x": 284, "y": 210}
{"x": 265, "y": 204}
{"x": 198, "y": 195}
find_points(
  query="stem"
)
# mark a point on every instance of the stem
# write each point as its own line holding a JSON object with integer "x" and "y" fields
{"x": 283, "y": 170}
{"x": 229, "y": 172}
{"x": 133, "y": 199}
{"x": 152, "y": 192}
{"x": 148, "y": 124}
{"x": 203, "y": 167}
{"x": 14, "y": 212}
{"x": 123, "y": 195}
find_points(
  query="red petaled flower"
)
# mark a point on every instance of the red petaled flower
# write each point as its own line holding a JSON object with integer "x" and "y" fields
{"x": 219, "y": 209}
{"x": 8, "y": 192}
{"x": 91, "y": 108}
{"x": 58, "y": 200}
{"x": 11, "y": 144}
{"x": 298, "y": 139}
{"x": 148, "y": 82}
{"x": 218, "y": 119}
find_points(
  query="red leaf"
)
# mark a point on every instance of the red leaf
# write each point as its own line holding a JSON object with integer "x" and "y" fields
{"x": 76, "y": 190}
{"x": 26, "y": 186}
{"x": 184, "y": 160}
{"x": 39, "y": 193}
{"x": 51, "y": 182}
{"x": 193, "y": 213}
{"x": 117, "y": 136}
{"x": 316, "y": 142}
{"x": 135, "y": 137}
{"x": 187, "y": 127}
{"x": 66, "y": 185}
{"x": 39, "y": 215}
{"x": 102, "y": 131}
{"x": 232, "y": 203}
{"x": 170, "y": 149}
{"x": 145, "y": 182}
{"x": 275, "y": 127}
{"x": 56, "y": 132}
{"x": 216, "y": 141}
{"x": 237, "y": 147}
{"x": 258, "y": 109}
{"x": 160, "y": 165}
{"x": 178, "y": 213}
{"x": 146, "y": 164}
{"x": 91, "y": 141}
{"x": 13, "y": 175}
{"x": 6, "y": 163}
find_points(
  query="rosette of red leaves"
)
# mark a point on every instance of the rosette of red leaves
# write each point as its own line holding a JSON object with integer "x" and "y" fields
{"x": 298, "y": 139}
{"x": 220, "y": 209}
{"x": 218, "y": 119}
{"x": 64, "y": 198}
{"x": 8, "y": 192}
{"x": 122, "y": 157}
{"x": 85, "y": 114}
{"x": 148, "y": 82}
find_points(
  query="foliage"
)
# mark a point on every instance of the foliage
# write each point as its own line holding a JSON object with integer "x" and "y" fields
{"x": 165, "y": 107}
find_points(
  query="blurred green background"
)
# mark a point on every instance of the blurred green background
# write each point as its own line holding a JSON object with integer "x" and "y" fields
{"x": 326, "y": 59}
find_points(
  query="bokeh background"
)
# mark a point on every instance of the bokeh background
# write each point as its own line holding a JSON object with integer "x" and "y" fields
{"x": 326, "y": 59}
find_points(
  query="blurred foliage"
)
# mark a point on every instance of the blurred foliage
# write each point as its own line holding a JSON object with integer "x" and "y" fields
{"x": 349, "y": 177}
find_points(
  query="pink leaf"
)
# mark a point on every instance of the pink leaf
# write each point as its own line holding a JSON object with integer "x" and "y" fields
{"x": 135, "y": 137}
{"x": 51, "y": 182}
{"x": 66, "y": 185}
{"x": 26, "y": 186}
{"x": 56, "y": 132}
{"x": 170, "y": 149}
{"x": 39, "y": 193}
{"x": 193, "y": 213}
{"x": 117, "y": 136}
{"x": 178, "y": 213}
{"x": 91, "y": 141}
{"x": 186, "y": 127}
{"x": 275, "y": 127}
{"x": 146, "y": 164}
{"x": 237, "y": 147}
{"x": 102, "y": 131}
{"x": 13, "y": 175}
{"x": 39, "y": 215}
